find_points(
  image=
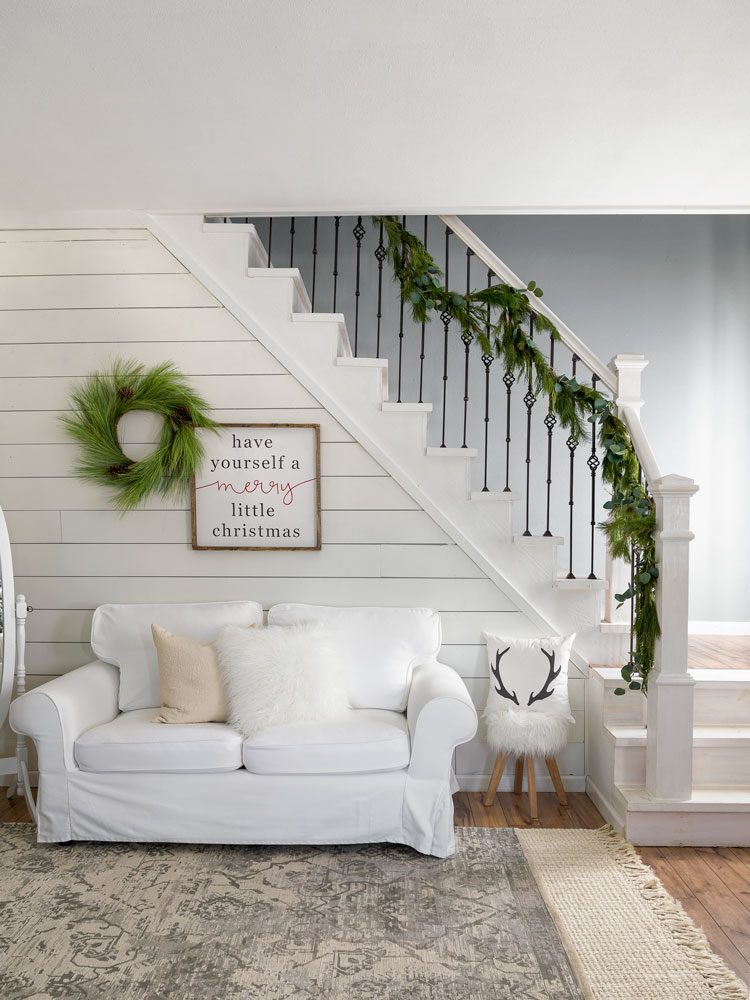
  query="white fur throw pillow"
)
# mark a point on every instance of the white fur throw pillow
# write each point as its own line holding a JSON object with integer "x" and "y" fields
{"x": 276, "y": 675}
{"x": 527, "y": 710}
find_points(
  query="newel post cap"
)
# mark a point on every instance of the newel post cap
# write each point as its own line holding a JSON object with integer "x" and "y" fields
{"x": 631, "y": 362}
{"x": 674, "y": 486}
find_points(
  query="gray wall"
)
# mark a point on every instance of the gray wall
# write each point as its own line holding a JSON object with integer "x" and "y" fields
{"x": 676, "y": 289}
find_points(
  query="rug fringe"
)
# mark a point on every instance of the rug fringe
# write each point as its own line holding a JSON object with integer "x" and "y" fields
{"x": 716, "y": 973}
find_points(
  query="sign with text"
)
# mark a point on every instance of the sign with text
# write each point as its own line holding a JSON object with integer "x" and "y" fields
{"x": 258, "y": 488}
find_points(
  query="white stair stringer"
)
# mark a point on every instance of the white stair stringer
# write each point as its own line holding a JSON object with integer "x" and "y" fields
{"x": 271, "y": 303}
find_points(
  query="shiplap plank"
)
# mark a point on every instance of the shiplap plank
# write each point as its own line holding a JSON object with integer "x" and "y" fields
{"x": 79, "y": 360}
{"x": 67, "y": 235}
{"x": 103, "y": 291}
{"x": 43, "y": 427}
{"x": 160, "y": 527}
{"x": 336, "y": 493}
{"x": 468, "y": 628}
{"x": 57, "y": 657}
{"x": 75, "y": 326}
{"x": 144, "y": 560}
{"x": 427, "y": 560}
{"x": 24, "y": 461}
{"x": 128, "y": 256}
{"x": 34, "y": 525}
{"x": 225, "y": 392}
{"x": 58, "y": 626}
{"x": 80, "y": 591}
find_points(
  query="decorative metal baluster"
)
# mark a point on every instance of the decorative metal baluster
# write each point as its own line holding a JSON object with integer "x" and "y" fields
{"x": 529, "y": 399}
{"x": 632, "y": 604}
{"x": 508, "y": 379}
{"x": 487, "y": 360}
{"x": 270, "y": 239}
{"x": 572, "y": 444}
{"x": 336, "y": 225}
{"x": 593, "y": 464}
{"x": 358, "y": 232}
{"x": 291, "y": 243}
{"x": 315, "y": 262}
{"x": 549, "y": 422}
{"x": 380, "y": 255}
{"x": 401, "y": 319}
{"x": 466, "y": 339}
{"x": 445, "y": 317}
{"x": 421, "y": 349}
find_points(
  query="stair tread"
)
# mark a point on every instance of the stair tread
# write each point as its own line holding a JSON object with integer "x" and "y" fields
{"x": 705, "y": 798}
{"x": 452, "y": 452}
{"x": 632, "y": 735}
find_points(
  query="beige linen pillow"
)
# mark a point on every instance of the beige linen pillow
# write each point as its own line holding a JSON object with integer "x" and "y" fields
{"x": 189, "y": 680}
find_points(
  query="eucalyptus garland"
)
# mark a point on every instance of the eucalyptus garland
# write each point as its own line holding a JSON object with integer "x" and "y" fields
{"x": 104, "y": 398}
{"x": 499, "y": 320}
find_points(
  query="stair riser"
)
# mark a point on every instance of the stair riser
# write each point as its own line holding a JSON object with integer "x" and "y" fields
{"x": 713, "y": 706}
{"x": 719, "y": 765}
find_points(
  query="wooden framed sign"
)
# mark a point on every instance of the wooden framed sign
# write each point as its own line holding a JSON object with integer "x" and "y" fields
{"x": 258, "y": 488}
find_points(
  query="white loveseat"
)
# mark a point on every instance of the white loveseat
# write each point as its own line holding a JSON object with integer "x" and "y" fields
{"x": 108, "y": 772}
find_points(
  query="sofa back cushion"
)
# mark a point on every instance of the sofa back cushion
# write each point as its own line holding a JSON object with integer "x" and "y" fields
{"x": 121, "y": 634}
{"x": 378, "y": 646}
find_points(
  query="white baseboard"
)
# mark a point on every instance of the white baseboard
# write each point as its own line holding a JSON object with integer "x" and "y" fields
{"x": 605, "y": 806}
{"x": 718, "y": 628}
{"x": 478, "y": 783}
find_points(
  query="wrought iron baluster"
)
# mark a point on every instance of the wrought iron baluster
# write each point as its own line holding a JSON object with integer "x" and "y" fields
{"x": 572, "y": 444}
{"x": 291, "y": 243}
{"x": 336, "y": 226}
{"x": 380, "y": 255}
{"x": 508, "y": 379}
{"x": 315, "y": 262}
{"x": 529, "y": 400}
{"x": 593, "y": 464}
{"x": 421, "y": 349}
{"x": 358, "y": 232}
{"x": 446, "y": 318}
{"x": 632, "y": 604}
{"x": 549, "y": 422}
{"x": 466, "y": 339}
{"x": 487, "y": 362}
{"x": 270, "y": 239}
{"x": 401, "y": 318}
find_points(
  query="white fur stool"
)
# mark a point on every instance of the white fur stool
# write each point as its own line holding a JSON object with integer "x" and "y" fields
{"x": 527, "y": 715}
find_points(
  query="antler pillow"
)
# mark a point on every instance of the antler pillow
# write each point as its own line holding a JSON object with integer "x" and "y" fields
{"x": 527, "y": 710}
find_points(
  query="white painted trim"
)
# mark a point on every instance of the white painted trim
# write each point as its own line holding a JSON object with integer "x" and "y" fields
{"x": 609, "y": 812}
{"x": 109, "y": 219}
{"x": 718, "y": 628}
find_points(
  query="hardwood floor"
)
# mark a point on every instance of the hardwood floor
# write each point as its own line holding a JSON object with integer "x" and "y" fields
{"x": 714, "y": 652}
{"x": 713, "y": 884}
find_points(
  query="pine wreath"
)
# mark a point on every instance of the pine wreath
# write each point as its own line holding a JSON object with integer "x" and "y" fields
{"x": 104, "y": 398}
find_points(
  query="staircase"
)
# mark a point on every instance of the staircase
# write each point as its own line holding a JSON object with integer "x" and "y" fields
{"x": 337, "y": 356}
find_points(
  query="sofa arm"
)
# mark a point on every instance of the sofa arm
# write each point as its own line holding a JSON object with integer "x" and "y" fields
{"x": 440, "y": 715}
{"x": 55, "y": 714}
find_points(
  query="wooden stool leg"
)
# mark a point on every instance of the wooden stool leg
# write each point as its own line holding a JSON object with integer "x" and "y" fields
{"x": 554, "y": 773}
{"x": 518, "y": 781}
{"x": 497, "y": 773}
{"x": 531, "y": 780}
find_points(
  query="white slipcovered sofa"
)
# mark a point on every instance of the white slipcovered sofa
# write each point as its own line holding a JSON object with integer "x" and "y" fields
{"x": 384, "y": 773}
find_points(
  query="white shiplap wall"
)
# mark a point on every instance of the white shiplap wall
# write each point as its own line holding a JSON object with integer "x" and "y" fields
{"x": 70, "y": 302}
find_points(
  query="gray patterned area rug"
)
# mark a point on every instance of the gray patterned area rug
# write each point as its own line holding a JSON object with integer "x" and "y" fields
{"x": 378, "y": 922}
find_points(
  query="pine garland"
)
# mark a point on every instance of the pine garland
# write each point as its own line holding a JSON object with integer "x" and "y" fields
{"x": 99, "y": 403}
{"x": 500, "y": 319}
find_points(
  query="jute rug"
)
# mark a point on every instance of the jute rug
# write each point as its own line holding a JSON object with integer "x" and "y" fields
{"x": 371, "y": 922}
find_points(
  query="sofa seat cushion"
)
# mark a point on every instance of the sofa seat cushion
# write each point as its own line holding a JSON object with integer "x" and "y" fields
{"x": 365, "y": 740}
{"x": 133, "y": 742}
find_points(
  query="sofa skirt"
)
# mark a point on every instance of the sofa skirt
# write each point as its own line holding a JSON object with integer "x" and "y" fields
{"x": 238, "y": 807}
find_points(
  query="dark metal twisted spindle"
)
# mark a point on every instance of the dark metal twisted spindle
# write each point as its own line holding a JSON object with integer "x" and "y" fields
{"x": 466, "y": 339}
{"x": 421, "y": 349}
{"x": 291, "y": 243}
{"x": 358, "y": 232}
{"x": 380, "y": 255}
{"x": 549, "y": 422}
{"x": 401, "y": 319}
{"x": 529, "y": 399}
{"x": 508, "y": 379}
{"x": 593, "y": 464}
{"x": 487, "y": 360}
{"x": 270, "y": 239}
{"x": 446, "y": 319}
{"x": 572, "y": 444}
{"x": 314, "y": 262}
{"x": 336, "y": 226}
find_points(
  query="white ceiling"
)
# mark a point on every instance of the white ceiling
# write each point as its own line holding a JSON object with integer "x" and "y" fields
{"x": 469, "y": 105}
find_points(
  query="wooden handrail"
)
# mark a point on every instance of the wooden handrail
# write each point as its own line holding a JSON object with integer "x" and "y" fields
{"x": 490, "y": 259}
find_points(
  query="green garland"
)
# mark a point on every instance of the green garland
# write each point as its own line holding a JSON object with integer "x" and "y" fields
{"x": 104, "y": 398}
{"x": 498, "y": 319}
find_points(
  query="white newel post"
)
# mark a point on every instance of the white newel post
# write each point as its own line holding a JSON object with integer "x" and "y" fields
{"x": 669, "y": 736}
